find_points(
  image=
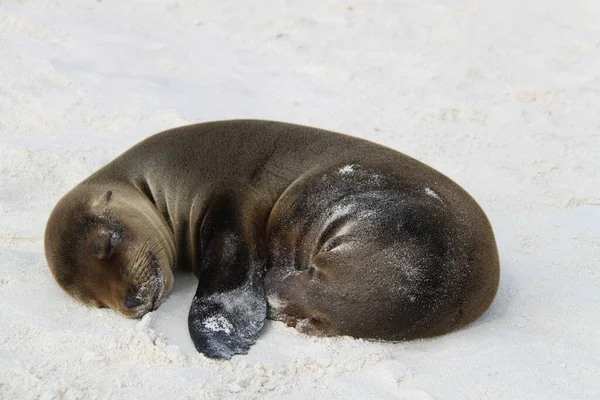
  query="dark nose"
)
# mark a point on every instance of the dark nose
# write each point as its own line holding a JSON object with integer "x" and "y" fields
{"x": 131, "y": 301}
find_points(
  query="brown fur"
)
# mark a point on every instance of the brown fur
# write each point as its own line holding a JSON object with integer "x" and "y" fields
{"x": 410, "y": 254}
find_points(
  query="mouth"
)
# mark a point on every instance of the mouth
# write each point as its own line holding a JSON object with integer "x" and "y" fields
{"x": 275, "y": 308}
{"x": 149, "y": 295}
{"x": 278, "y": 311}
{"x": 310, "y": 323}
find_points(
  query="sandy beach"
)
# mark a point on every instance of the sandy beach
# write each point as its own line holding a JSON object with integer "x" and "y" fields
{"x": 502, "y": 97}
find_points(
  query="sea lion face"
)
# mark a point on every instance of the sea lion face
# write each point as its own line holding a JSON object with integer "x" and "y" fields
{"x": 352, "y": 283}
{"x": 338, "y": 268}
{"x": 337, "y": 294}
{"x": 111, "y": 248}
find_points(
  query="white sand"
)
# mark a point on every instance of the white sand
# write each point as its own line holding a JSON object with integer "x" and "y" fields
{"x": 503, "y": 97}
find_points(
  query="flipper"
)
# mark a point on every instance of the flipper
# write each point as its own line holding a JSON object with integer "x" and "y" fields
{"x": 224, "y": 324}
{"x": 230, "y": 306}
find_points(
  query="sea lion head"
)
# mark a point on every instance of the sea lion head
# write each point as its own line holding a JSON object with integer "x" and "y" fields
{"x": 108, "y": 246}
{"x": 347, "y": 285}
{"x": 359, "y": 255}
{"x": 386, "y": 279}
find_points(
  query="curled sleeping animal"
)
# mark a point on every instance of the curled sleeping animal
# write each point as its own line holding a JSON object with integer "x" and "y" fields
{"x": 332, "y": 234}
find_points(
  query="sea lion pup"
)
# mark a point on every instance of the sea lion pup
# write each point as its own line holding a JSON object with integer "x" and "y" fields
{"x": 343, "y": 236}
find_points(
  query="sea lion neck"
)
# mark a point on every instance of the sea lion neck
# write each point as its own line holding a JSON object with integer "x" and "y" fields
{"x": 182, "y": 211}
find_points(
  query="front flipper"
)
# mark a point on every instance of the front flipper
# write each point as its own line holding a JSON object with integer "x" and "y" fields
{"x": 224, "y": 324}
{"x": 230, "y": 306}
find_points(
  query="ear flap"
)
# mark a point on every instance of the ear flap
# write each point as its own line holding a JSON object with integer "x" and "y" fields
{"x": 224, "y": 324}
{"x": 102, "y": 201}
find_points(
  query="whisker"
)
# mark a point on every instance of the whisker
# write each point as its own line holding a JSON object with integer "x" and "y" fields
{"x": 147, "y": 241}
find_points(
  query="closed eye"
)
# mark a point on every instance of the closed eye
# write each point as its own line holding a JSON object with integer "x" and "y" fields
{"x": 104, "y": 246}
{"x": 311, "y": 273}
{"x": 333, "y": 230}
{"x": 333, "y": 243}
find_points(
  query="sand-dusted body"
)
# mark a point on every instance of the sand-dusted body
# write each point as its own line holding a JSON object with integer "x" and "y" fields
{"x": 343, "y": 236}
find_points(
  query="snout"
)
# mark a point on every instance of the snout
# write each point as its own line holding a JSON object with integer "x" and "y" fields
{"x": 148, "y": 297}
